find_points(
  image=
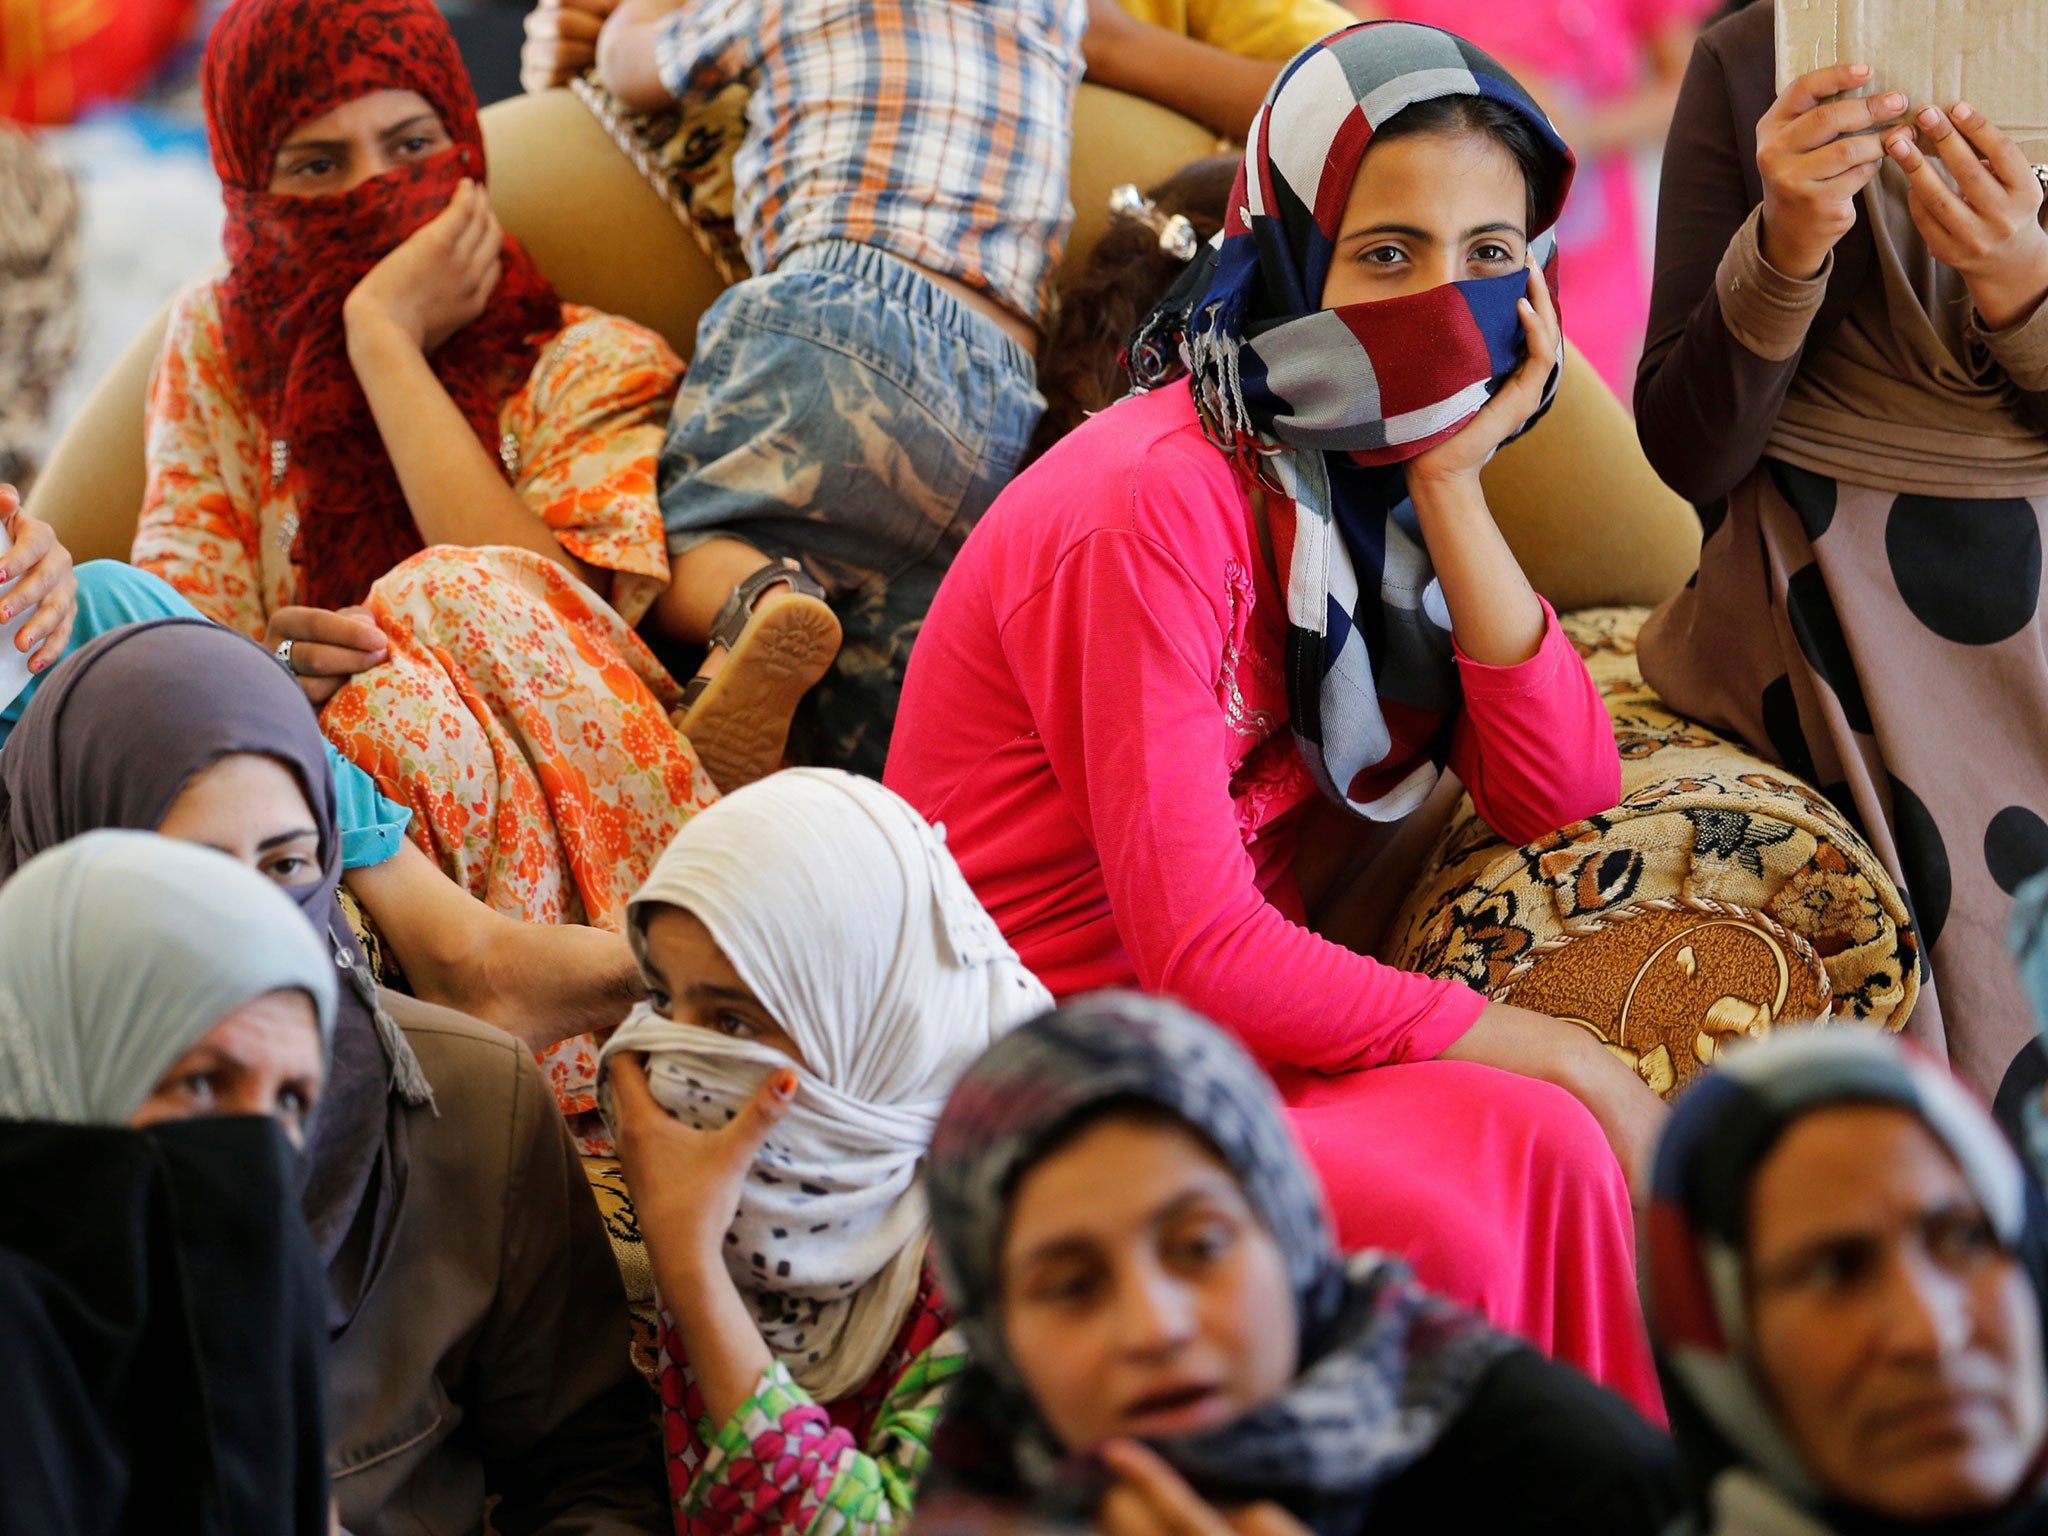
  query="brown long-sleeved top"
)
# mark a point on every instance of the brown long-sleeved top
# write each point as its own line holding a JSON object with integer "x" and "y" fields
{"x": 1881, "y": 344}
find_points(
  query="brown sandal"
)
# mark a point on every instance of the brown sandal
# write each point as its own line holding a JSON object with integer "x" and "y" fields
{"x": 738, "y": 718}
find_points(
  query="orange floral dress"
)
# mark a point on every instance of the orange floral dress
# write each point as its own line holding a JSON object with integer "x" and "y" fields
{"x": 519, "y": 717}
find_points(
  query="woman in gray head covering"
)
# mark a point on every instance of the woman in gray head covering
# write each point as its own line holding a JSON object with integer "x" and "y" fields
{"x": 149, "y": 979}
{"x": 165, "y": 1014}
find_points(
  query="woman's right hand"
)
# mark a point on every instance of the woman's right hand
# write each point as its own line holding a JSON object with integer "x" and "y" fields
{"x": 686, "y": 1183}
{"x": 1815, "y": 155}
{"x": 1151, "y": 1499}
{"x": 1556, "y": 1051}
{"x": 329, "y": 646}
{"x": 439, "y": 278}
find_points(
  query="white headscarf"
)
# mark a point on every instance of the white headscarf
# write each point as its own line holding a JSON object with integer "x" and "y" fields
{"x": 118, "y": 952}
{"x": 842, "y": 911}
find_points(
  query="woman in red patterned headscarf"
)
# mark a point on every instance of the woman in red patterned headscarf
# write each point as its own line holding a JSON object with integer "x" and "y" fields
{"x": 382, "y": 444}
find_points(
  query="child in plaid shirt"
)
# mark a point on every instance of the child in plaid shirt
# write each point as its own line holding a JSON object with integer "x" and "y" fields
{"x": 901, "y": 192}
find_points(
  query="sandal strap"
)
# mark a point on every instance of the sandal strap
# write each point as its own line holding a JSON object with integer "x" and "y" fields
{"x": 732, "y": 618}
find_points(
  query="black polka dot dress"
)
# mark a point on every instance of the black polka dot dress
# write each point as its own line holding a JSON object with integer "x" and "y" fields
{"x": 1890, "y": 648}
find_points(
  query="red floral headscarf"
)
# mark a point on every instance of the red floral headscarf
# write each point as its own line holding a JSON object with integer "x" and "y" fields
{"x": 272, "y": 65}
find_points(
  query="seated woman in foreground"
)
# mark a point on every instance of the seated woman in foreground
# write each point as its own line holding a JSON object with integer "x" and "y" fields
{"x": 821, "y": 975}
{"x": 477, "y": 1321}
{"x": 1848, "y": 1285}
{"x": 164, "y": 1019}
{"x": 1164, "y": 1331}
{"x": 1216, "y": 602}
{"x": 382, "y": 445}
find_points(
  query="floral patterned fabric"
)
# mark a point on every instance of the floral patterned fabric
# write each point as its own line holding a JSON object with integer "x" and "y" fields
{"x": 1719, "y": 897}
{"x": 518, "y": 716}
{"x": 787, "y": 1464}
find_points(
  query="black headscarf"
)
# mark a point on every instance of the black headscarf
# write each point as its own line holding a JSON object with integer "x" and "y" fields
{"x": 1384, "y": 1366}
{"x": 161, "y": 1327}
{"x": 113, "y": 736}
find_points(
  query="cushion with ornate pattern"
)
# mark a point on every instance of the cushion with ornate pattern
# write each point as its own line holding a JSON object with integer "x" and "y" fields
{"x": 1720, "y": 897}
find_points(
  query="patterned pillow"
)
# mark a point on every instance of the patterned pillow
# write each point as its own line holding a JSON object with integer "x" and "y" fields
{"x": 1722, "y": 895}
{"x": 686, "y": 156}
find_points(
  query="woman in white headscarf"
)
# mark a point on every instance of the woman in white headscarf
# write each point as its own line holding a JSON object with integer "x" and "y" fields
{"x": 819, "y": 975}
{"x": 148, "y": 979}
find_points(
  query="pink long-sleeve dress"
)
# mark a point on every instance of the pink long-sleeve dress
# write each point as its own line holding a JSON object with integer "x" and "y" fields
{"x": 1097, "y": 711}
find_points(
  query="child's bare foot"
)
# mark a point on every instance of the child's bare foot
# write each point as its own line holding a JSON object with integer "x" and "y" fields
{"x": 770, "y": 645}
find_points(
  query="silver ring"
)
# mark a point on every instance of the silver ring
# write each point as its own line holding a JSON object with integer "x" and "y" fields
{"x": 2041, "y": 175}
{"x": 283, "y": 653}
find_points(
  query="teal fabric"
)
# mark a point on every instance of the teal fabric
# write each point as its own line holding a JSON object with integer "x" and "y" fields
{"x": 111, "y": 594}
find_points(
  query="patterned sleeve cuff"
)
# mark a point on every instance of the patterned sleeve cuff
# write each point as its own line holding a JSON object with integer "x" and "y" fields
{"x": 1766, "y": 311}
{"x": 762, "y": 1468}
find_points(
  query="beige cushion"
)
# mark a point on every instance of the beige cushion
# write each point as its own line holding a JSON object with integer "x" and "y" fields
{"x": 1576, "y": 499}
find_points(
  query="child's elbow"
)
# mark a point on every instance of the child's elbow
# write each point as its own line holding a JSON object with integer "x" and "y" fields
{"x": 626, "y": 65}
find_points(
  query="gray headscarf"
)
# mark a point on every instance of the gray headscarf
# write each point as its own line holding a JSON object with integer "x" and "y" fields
{"x": 123, "y": 949}
{"x": 1385, "y": 1366}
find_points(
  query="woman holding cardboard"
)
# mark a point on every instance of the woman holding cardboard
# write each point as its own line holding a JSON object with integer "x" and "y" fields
{"x": 1847, "y": 371}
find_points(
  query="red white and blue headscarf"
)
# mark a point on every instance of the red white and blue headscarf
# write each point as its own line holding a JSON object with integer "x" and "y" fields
{"x": 1324, "y": 405}
{"x": 1736, "y": 1451}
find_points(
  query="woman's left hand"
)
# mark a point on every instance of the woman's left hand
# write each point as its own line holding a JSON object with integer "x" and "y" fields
{"x": 1151, "y": 1499}
{"x": 1988, "y": 227}
{"x": 685, "y": 1182}
{"x": 1462, "y": 456}
{"x": 44, "y": 580}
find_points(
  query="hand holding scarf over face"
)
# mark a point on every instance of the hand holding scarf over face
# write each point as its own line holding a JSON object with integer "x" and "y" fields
{"x": 272, "y": 65}
{"x": 845, "y": 915}
{"x": 1323, "y": 405}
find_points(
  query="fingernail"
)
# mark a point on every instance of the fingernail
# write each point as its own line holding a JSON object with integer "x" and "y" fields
{"x": 1930, "y": 117}
{"x": 1901, "y": 147}
{"x": 1894, "y": 104}
{"x": 1963, "y": 112}
{"x": 785, "y": 1083}
{"x": 1860, "y": 71}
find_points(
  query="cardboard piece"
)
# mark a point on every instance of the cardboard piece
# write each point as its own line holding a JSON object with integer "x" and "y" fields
{"x": 1990, "y": 53}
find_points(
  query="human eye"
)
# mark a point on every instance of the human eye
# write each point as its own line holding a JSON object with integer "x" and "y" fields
{"x": 737, "y": 1025}
{"x": 661, "y": 1002}
{"x": 1834, "y": 1267}
{"x": 1202, "y": 1242}
{"x": 1960, "y": 1238}
{"x": 314, "y": 169}
{"x": 288, "y": 868}
{"x": 1492, "y": 253}
{"x": 1066, "y": 1285}
{"x": 1382, "y": 256}
{"x": 196, "y": 1088}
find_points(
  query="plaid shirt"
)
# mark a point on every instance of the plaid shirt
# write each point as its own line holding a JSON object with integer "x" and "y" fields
{"x": 936, "y": 130}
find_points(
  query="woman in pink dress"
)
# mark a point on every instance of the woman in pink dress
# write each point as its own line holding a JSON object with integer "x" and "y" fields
{"x": 1607, "y": 72}
{"x": 1276, "y": 583}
